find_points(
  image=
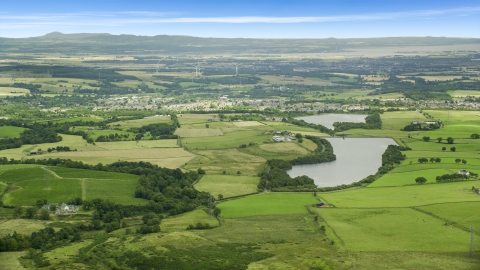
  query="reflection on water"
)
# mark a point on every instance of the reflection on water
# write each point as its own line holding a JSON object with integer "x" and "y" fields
{"x": 356, "y": 159}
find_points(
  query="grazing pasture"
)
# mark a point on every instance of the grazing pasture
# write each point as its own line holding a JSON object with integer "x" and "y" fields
{"x": 198, "y": 132}
{"x": 13, "y": 91}
{"x": 394, "y": 229}
{"x": 247, "y": 123}
{"x": 181, "y": 222}
{"x": 141, "y": 122}
{"x": 10, "y": 132}
{"x": 404, "y": 196}
{"x": 229, "y": 160}
{"x": 125, "y": 145}
{"x": 228, "y": 185}
{"x": 267, "y": 204}
{"x": 65, "y": 184}
{"x": 22, "y": 226}
{"x": 228, "y": 140}
{"x": 461, "y": 213}
{"x": 10, "y": 260}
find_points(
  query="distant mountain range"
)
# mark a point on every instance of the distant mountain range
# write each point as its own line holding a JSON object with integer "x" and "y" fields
{"x": 102, "y": 43}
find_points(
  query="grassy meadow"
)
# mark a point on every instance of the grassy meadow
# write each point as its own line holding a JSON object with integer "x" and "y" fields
{"x": 228, "y": 185}
{"x": 267, "y": 204}
{"x": 64, "y": 184}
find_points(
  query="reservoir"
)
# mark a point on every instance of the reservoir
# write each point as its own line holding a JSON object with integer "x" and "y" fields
{"x": 357, "y": 158}
{"x": 327, "y": 120}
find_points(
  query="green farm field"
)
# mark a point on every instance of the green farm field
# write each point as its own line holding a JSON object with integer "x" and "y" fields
{"x": 66, "y": 184}
{"x": 124, "y": 145}
{"x": 181, "y": 222}
{"x": 267, "y": 204}
{"x": 13, "y": 91}
{"x": 229, "y": 161}
{"x": 398, "y": 229}
{"x": 277, "y": 150}
{"x": 198, "y": 132}
{"x": 10, "y": 132}
{"x": 461, "y": 213}
{"x": 404, "y": 196}
{"x": 141, "y": 122}
{"x": 228, "y": 185}
{"x": 228, "y": 140}
{"x": 23, "y": 226}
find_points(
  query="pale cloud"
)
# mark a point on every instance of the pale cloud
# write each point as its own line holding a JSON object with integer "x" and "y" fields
{"x": 9, "y": 21}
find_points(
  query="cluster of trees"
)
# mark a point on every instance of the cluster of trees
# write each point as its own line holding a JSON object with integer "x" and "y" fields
{"x": 302, "y": 123}
{"x": 112, "y": 137}
{"x": 276, "y": 178}
{"x": 323, "y": 153}
{"x": 413, "y": 127}
{"x": 453, "y": 149}
{"x": 392, "y": 154}
{"x": 475, "y": 136}
{"x": 170, "y": 191}
{"x": 60, "y": 149}
{"x": 199, "y": 226}
{"x": 35, "y": 135}
{"x": 451, "y": 177}
{"x": 159, "y": 130}
{"x": 457, "y": 160}
{"x": 45, "y": 239}
{"x": 373, "y": 121}
{"x": 432, "y": 160}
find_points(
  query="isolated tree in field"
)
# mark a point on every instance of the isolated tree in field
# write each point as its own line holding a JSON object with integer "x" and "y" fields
{"x": 444, "y": 148}
{"x": 458, "y": 160}
{"x": 464, "y": 161}
{"x": 41, "y": 203}
{"x": 437, "y": 160}
{"x": 207, "y": 125}
{"x": 475, "y": 136}
{"x": 44, "y": 214}
{"x": 450, "y": 140}
{"x": 421, "y": 180}
{"x": 439, "y": 139}
{"x": 426, "y": 138}
{"x": 220, "y": 197}
{"x": 453, "y": 149}
{"x": 17, "y": 211}
{"x": 432, "y": 160}
{"x": 30, "y": 212}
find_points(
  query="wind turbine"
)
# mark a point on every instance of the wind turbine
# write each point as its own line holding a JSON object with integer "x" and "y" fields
{"x": 197, "y": 69}
{"x": 236, "y": 69}
{"x": 158, "y": 65}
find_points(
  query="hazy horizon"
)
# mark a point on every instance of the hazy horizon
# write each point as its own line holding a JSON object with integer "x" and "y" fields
{"x": 244, "y": 19}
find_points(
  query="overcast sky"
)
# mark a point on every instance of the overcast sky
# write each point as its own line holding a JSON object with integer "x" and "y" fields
{"x": 247, "y": 18}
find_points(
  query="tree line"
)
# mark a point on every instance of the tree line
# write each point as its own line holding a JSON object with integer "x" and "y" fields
{"x": 372, "y": 121}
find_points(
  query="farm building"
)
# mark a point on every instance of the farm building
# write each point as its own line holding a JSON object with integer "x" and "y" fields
{"x": 464, "y": 172}
{"x": 415, "y": 122}
{"x": 65, "y": 209}
{"x": 278, "y": 138}
{"x": 36, "y": 153}
{"x": 50, "y": 206}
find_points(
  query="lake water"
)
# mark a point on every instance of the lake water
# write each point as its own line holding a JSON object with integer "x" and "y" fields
{"x": 357, "y": 158}
{"x": 327, "y": 120}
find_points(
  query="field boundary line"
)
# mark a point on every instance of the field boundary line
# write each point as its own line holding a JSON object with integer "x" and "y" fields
{"x": 449, "y": 222}
{"x": 52, "y": 172}
{"x": 84, "y": 189}
{"x": 324, "y": 220}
